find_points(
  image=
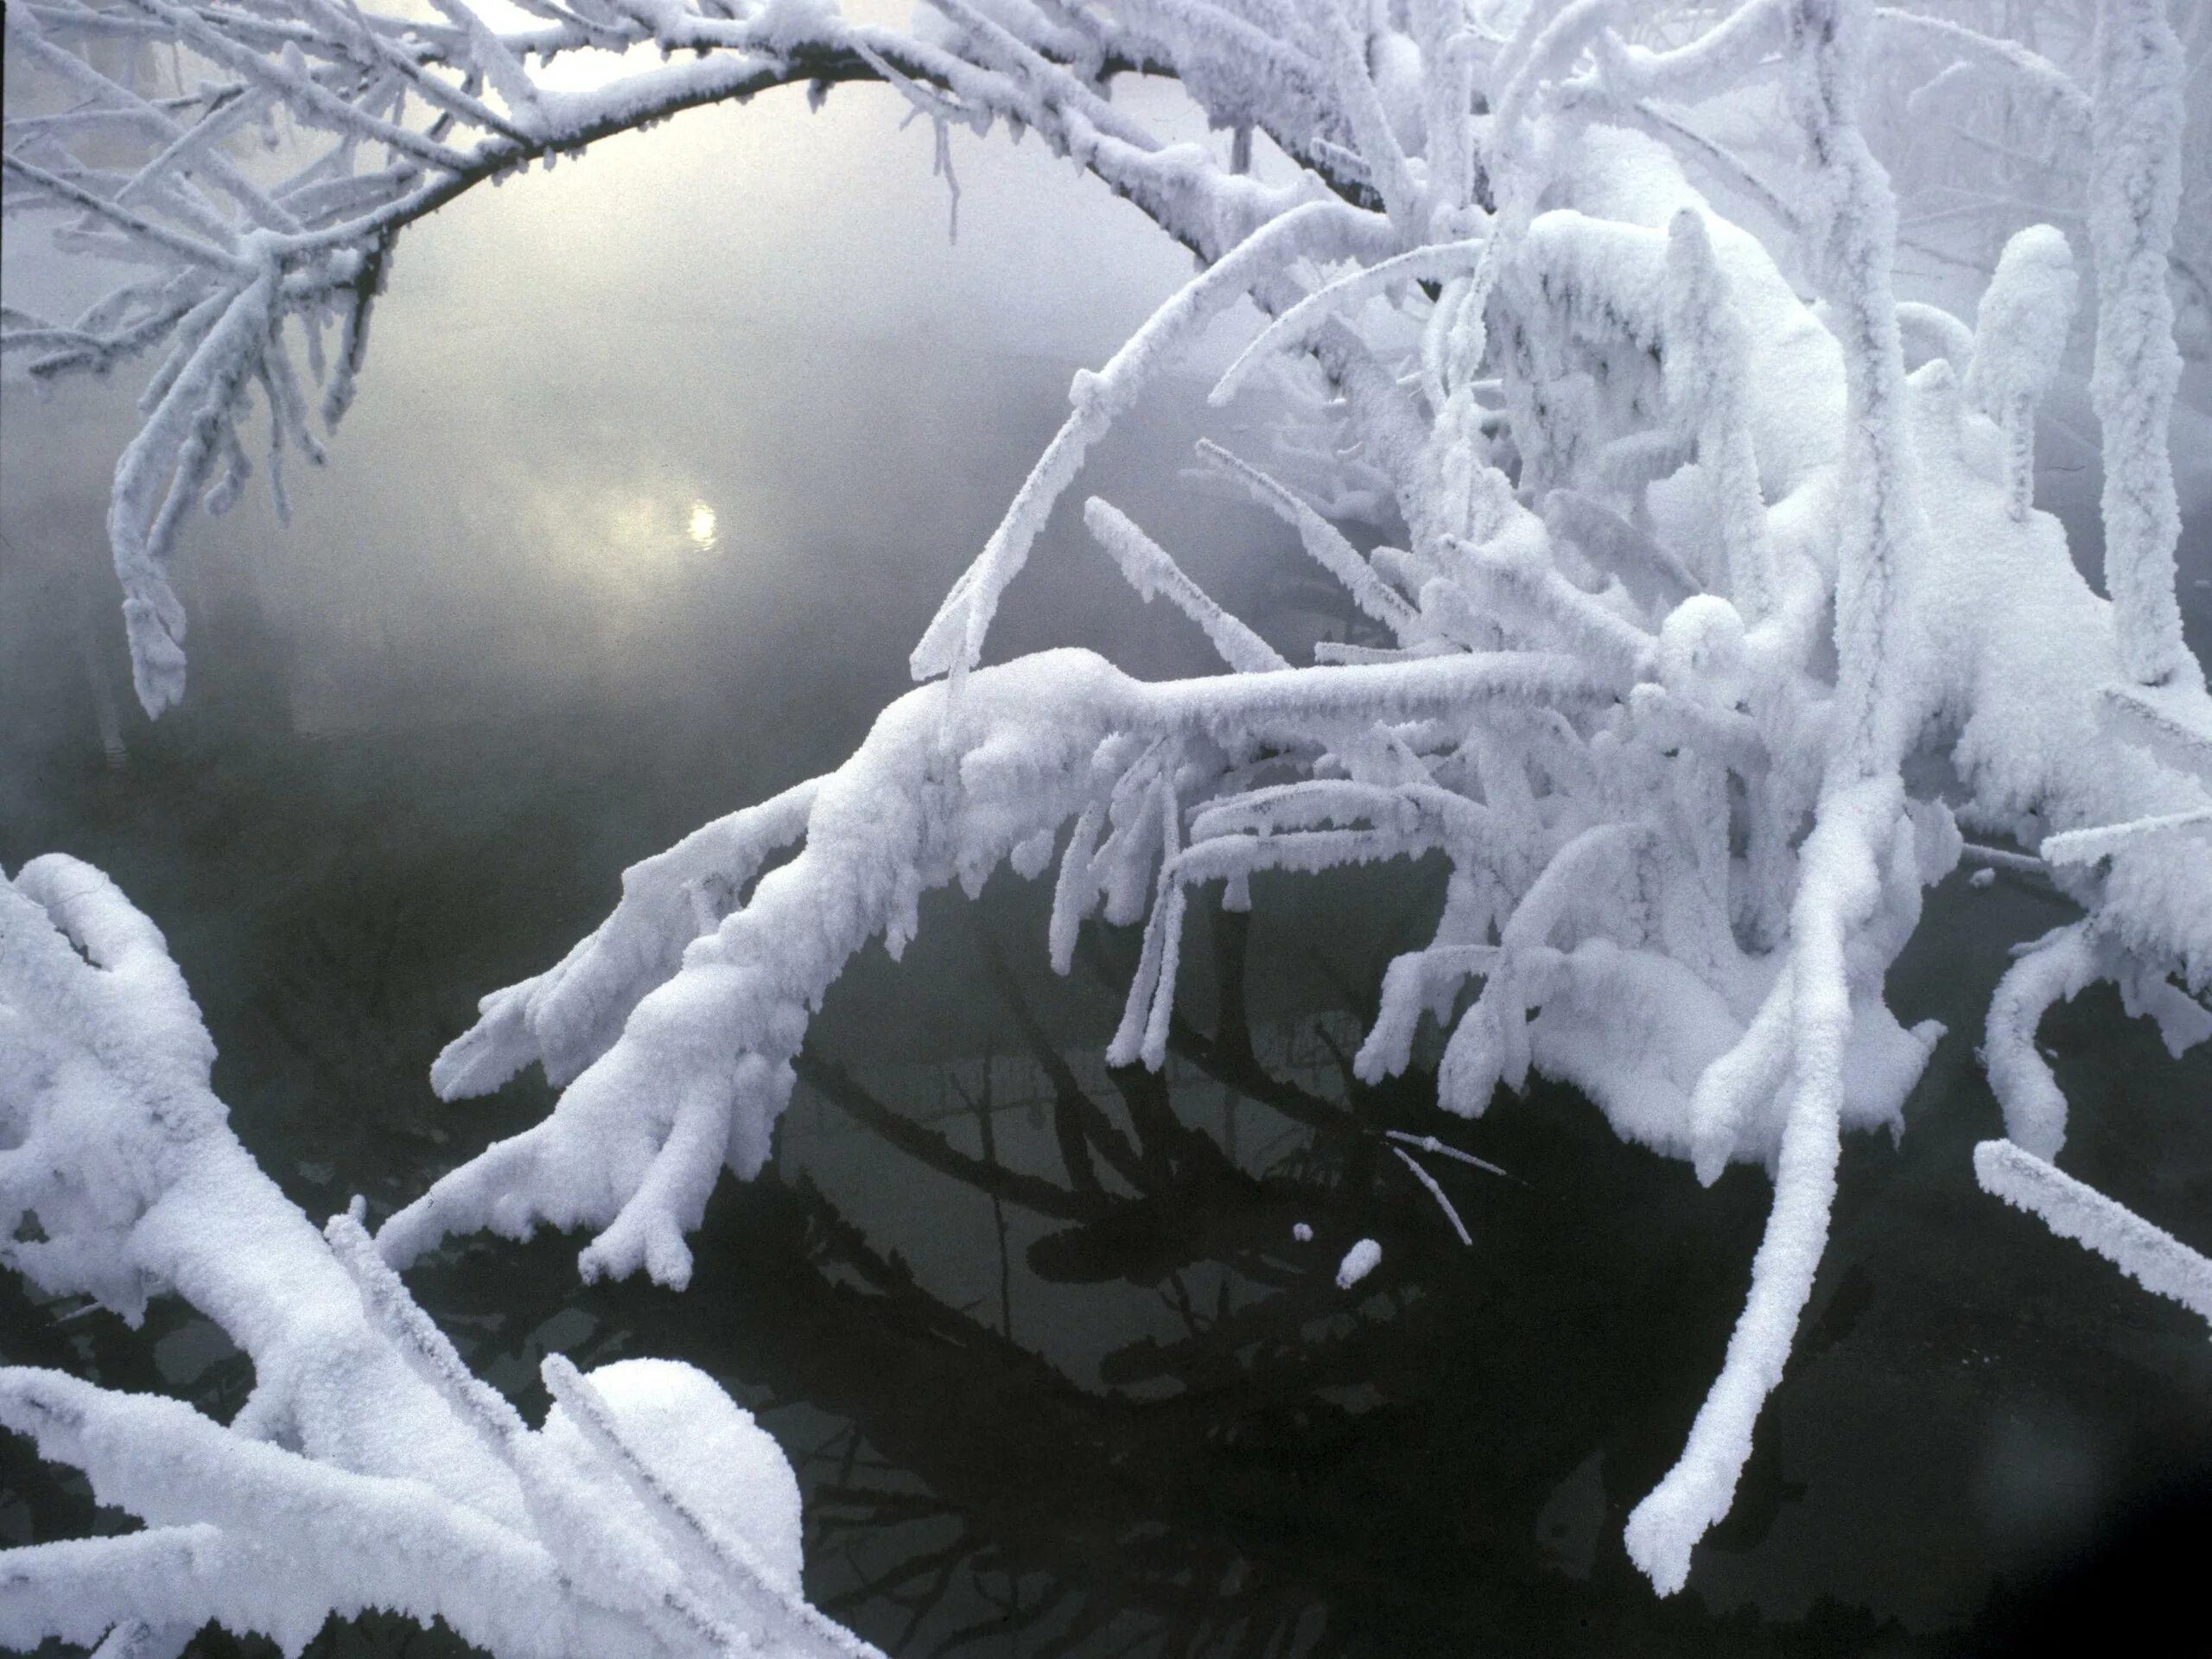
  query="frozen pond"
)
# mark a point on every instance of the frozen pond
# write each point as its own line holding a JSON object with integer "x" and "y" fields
{"x": 637, "y": 518}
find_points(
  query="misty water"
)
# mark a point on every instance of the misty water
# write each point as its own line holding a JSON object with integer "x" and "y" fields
{"x": 635, "y": 522}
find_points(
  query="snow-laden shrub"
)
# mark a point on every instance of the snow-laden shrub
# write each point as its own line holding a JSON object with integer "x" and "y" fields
{"x": 1684, "y": 575}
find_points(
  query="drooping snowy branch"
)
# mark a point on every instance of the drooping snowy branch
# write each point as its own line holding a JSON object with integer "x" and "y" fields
{"x": 2159, "y": 1261}
{"x": 399, "y": 116}
{"x": 368, "y": 1468}
{"x": 2134, "y": 199}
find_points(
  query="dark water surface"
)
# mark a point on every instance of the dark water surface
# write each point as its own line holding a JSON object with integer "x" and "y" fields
{"x": 1054, "y": 1375}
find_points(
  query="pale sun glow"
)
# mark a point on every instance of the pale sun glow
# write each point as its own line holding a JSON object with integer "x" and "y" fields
{"x": 701, "y": 526}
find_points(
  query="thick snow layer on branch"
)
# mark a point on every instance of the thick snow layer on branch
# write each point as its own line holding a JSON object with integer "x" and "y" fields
{"x": 1152, "y": 572}
{"x": 140, "y": 1188}
{"x": 2156, "y": 1259}
{"x": 2055, "y": 968}
{"x": 567, "y": 1017}
{"x": 368, "y": 1468}
{"x": 2019, "y": 337}
{"x": 947, "y": 786}
{"x": 1839, "y": 887}
{"x": 2135, "y": 135}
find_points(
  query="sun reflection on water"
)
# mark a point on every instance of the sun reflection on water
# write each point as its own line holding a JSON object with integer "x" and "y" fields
{"x": 701, "y": 526}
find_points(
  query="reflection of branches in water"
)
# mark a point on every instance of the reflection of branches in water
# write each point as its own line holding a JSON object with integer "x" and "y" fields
{"x": 1276, "y": 1467}
{"x": 1297, "y": 1468}
{"x": 980, "y": 1103}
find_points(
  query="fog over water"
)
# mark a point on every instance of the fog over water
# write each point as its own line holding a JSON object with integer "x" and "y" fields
{"x": 659, "y": 465}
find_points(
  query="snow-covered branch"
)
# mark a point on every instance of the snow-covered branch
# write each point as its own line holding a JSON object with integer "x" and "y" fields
{"x": 368, "y": 1468}
{"x": 395, "y": 117}
{"x": 2155, "y": 1259}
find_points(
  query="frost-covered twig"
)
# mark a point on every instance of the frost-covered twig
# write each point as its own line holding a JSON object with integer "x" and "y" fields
{"x": 2158, "y": 1261}
{"x": 1428, "y": 1182}
{"x": 369, "y": 1467}
{"x": 240, "y": 266}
